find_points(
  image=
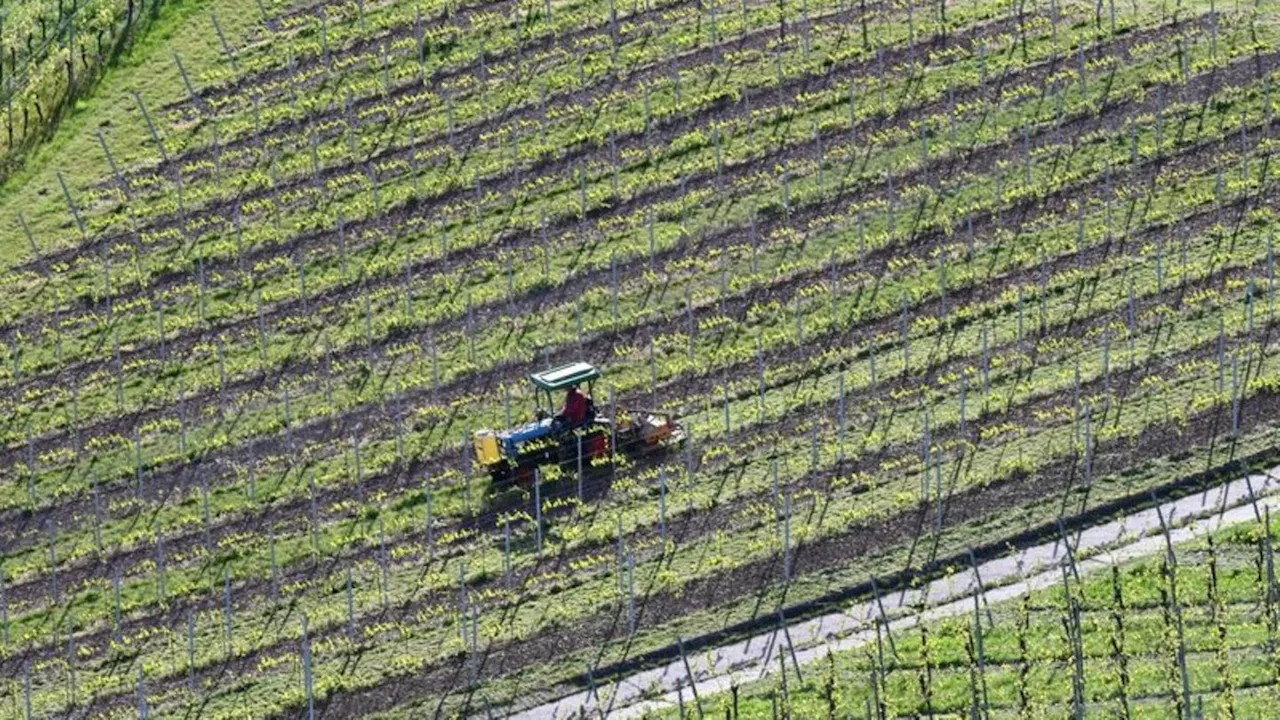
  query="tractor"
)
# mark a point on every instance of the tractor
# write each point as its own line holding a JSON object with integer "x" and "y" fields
{"x": 573, "y": 443}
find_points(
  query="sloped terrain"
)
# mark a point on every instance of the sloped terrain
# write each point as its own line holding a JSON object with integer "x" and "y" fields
{"x": 918, "y": 279}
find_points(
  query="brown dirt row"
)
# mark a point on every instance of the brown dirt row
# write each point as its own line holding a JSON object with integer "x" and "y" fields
{"x": 505, "y": 182}
{"x": 247, "y": 84}
{"x": 691, "y": 527}
{"x": 521, "y": 307}
{"x": 329, "y": 306}
{"x": 320, "y": 7}
{"x": 753, "y": 39}
{"x": 875, "y": 263}
{"x": 465, "y": 137}
{"x": 863, "y": 406}
{"x": 459, "y": 16}
{"x": 294, "y": 514}
{"x": 473, "y": 68}
{"x": 508, "y": 181}
{"x": 76, "y": 511}
{"x": 73, "y": 509}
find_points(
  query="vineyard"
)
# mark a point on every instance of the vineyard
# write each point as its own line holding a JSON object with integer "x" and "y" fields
{"x": 50, "y": 52}
{"x": 920, "y": 280}
{"x": 1190, "y": 631}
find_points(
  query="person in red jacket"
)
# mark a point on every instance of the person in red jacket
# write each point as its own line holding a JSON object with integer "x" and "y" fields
{"x": 575, "y": 407}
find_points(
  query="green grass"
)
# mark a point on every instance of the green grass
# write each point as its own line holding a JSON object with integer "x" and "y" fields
{"x": 183, "y": 26}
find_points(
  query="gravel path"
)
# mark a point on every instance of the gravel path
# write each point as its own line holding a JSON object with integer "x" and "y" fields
{"x": 1127, "y": 538}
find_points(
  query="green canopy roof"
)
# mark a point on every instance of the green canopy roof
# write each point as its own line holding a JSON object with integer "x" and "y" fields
{"x": 564, "y": 376}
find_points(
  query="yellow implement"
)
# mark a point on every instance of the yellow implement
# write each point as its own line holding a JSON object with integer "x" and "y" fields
{"x": 488, "y": 451}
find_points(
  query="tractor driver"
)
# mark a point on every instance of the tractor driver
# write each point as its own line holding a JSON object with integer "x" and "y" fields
{"x": 576, "y": 407}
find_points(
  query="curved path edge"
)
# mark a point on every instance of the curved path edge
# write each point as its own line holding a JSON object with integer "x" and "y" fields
{"x": 1127, "y": 538}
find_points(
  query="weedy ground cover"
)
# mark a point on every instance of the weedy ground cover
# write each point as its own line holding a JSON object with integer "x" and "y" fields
{"x": 904, "y": 269}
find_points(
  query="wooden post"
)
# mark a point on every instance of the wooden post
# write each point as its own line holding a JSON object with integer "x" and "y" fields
{"x": 466, "y": 465}
{"x": 4, "y": 613}
{"x": 355, "y": 446}
{"x": 382, "y": 561}
{"x": 191, "y": 651}
{"x": 315, "y": 515}
{"x": 275, "y": 571}
{"x": 537, "y": 506}
{"x": 308, "y": 680}
{"x": 728, "y": 429}
{"x": 97, "y": 510}
{"x": 351, "y": 608}
{"x": 160, "y": 564}
{"x": 262, "y": 329}
{"x": 204, "y": 515}
{"x": 631, "y": 592}
{"x": 26, "y": 689}
{"x": 71, "y": 205}
{"x": 431, "y": 549}
{"x": 142, "y": 697}
{"x": 506, "y": 551}
{"x": 253, "y": 476}
{"x": 906, "y": 339}
{"x": 462, "y": 601}
{"x": 760, "y": 382}
{"x": 786, "y": 539}
{"x": 53, "y": 562}
{"x": 155, "y": 136}
{"x": 1235, "y": 396}
{"x": 137, "y": 462}
{"x": 937, "y": 516}
{"x": 579, "y": 440}
{"x": 619, "y": 558}
{"x": 115, "y": 170}
{"x": 116, "y": 618}
{"x": 31, "y": 470}
{"x": 662, "y": 505}
{"x": 1088, "y": 446}
{"x": 226, "y": 47}
{"x": 288, "y": 420}
{"x": 1106, "y": 366}
{"x": 226, "y": 606}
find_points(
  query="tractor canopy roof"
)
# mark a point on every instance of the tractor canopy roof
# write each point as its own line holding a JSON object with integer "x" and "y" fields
{"x": 564, "y": 376}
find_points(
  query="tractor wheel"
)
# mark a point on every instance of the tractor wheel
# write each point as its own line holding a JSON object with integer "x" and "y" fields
{"x": 524, "y": 476}
{"x": 499, "y": 474}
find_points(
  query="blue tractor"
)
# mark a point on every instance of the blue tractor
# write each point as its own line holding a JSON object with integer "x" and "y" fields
{"x": 574, "y": 437}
